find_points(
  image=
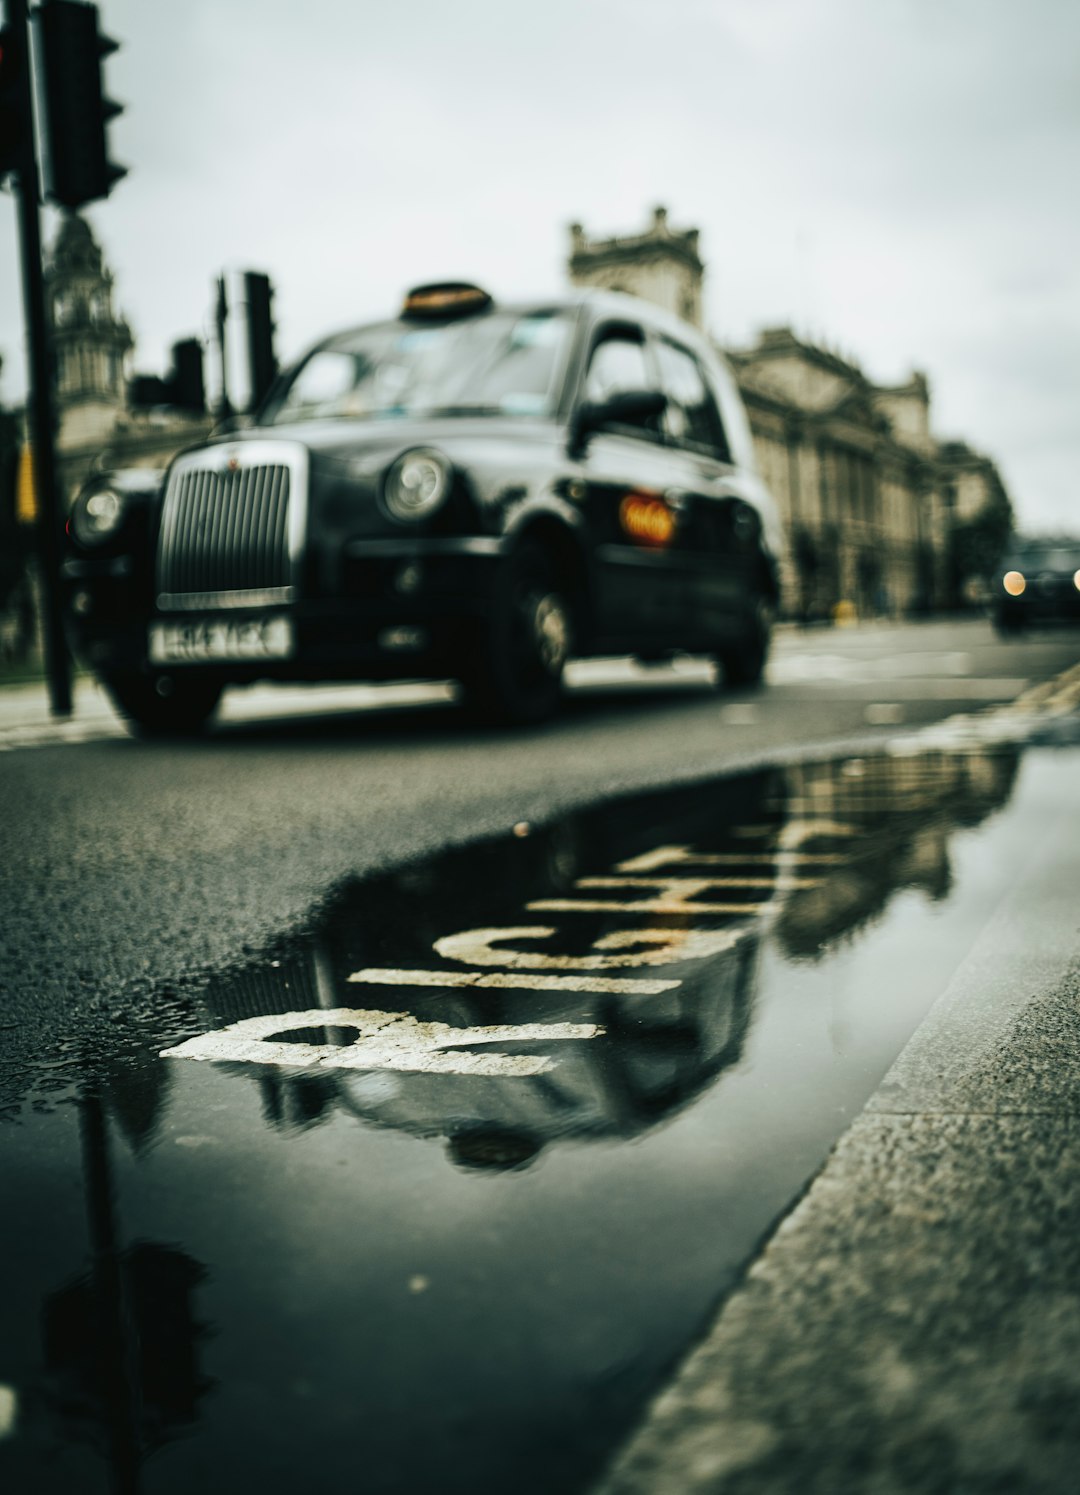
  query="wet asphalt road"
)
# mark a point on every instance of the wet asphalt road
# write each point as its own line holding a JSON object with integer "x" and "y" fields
{"x": 407, "y": 1257}
{"x": 137, "y": 864}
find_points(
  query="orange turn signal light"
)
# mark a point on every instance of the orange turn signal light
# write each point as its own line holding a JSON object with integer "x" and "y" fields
{"x": 647, "y": 519}
{"x": 1014, "y": 583}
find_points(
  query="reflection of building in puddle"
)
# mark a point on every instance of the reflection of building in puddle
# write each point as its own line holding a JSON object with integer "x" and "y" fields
{"x": 590, "y": 980}
{"x": 897, "y": 815}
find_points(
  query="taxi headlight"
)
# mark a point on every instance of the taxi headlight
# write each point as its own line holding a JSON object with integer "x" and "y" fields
{"x": 96, "y": 515}
{"x": 1014, "y": 583}
{"x": 416, "y": 484}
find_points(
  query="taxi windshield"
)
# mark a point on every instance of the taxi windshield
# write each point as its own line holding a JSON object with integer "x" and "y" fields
{"x": 499, "y": 363}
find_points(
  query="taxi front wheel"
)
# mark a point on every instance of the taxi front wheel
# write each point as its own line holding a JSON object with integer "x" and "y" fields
{"x": 515, "y": 669}
{"x": 743, "y": 661}
{"x": 164, "y": 705}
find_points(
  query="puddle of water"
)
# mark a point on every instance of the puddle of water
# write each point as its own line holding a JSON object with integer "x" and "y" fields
{"x": 433, "y": 1198}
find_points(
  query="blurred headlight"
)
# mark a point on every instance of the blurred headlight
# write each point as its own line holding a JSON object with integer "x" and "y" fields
{"x": 1014, "y": 583}
{"x": 96, "y": 515}
{"x": 416, "y": 484}
{"x": 1076, "y": 580}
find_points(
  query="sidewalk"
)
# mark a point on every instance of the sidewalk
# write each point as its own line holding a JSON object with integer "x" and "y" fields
{"x": 914, "y": 1324}
{"x": 26, "y": 721}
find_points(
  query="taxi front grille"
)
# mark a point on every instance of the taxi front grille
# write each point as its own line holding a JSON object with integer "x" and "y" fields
{"x": 225, "y": 537}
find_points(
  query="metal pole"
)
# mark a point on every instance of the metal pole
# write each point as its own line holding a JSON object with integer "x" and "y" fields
{"x": 221, "y": 316}
{"x": 116, "y": 1346}
{"x": 41, "y": 410}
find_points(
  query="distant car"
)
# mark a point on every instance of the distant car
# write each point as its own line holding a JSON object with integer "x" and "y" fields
{"x": 468, "y": 491}
{"x": 1037, "y": 582}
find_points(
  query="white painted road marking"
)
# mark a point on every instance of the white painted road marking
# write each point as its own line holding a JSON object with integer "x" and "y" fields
{"x": 639, "y": 906}
{"x": 680, "y": 856}
{"x": 884, "y": 713}
{"x": 399, "y": 1041}
{"x": 692, "y": 886}
{"x": 478, "y": 947}
{"x": 385, "y": 1040}
{"x": 677, "y": 895}
{"x": 616, "y": 985}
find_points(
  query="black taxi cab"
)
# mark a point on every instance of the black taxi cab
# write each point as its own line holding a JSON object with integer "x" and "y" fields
{"x": 468, "y": 491}
{"x": 1037, "y": 583}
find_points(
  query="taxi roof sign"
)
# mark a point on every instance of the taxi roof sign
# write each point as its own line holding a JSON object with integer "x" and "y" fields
{"x": 444, "y": 299}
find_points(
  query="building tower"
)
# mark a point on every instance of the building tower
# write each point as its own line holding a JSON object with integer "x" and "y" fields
{"x": 91, "y": 342}
{"x": 662, "y": 265}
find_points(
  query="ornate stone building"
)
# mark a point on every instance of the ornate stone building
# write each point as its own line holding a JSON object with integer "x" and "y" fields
{"x": 662, "y": 265}
{"x": 91, "y": 342}
{"x": 880, "y": 517}
{"x": 865, "y": 508}
{"x": 92, "y": 345}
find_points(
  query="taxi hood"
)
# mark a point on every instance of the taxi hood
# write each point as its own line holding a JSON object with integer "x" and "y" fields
{"x": 345, "y": 440}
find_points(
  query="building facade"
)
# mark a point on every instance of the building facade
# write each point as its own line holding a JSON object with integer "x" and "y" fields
{"x": 880, "y": 517}
{"x": 661, "y": 265}
{"x": 92, "y": 347}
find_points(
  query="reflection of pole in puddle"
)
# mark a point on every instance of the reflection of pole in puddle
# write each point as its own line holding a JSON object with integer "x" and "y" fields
{"x": 116, "y": 1340}
{"x": 121, "y": 1342}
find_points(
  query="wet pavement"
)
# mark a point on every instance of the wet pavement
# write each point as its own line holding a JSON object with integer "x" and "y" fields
{"x": 437, "y": 1195}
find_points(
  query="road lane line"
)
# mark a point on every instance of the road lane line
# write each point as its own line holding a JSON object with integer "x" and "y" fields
{"x": 385, "y": 1040}
{"x": 781, "y": 881}
{"x": 507, "y": 980}
{"x": 640, "y": 906}
{"x": 483, "y": 947}
{"x": 679, "y": 856}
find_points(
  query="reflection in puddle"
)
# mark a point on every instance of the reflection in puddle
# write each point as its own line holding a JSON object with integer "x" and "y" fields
{"x": 120, "y": 1343}
{"x": 396, "y": 1186}
{"x": 639, "y": 992}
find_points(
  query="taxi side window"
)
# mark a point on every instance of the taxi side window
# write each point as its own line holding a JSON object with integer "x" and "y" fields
{"x": 620, "y": 361}
{"x": 692, "y": 418}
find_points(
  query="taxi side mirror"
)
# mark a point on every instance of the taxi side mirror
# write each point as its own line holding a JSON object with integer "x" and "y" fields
{"x": 629, "y": 407}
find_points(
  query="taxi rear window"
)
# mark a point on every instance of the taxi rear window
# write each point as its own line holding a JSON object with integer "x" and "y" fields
{"x": 500, "y": 363}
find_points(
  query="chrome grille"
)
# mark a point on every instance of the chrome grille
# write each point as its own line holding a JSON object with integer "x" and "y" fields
{"x": 230, "y": 528}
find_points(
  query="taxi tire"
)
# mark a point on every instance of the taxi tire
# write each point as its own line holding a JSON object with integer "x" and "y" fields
{"x": 181, "y": 712}
{"x": 514, "y": 674}
{"x": 743, "y": 662}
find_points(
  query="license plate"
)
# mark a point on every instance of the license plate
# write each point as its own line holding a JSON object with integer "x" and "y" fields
{"x": 219, "y": 640}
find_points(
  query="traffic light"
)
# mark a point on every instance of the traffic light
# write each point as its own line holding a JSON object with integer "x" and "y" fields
{"x": 13, "y": 111}
{"x": 262, "y": 364}
{"x": 187, "y": 387}
{"x": 74, "y": 108}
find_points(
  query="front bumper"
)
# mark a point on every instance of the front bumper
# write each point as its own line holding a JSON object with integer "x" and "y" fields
{"x": 403, "y": 608}
{"x": 1060, "y": 604}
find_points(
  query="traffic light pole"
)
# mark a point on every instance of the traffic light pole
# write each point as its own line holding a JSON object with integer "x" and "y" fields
{"x": 41, "y": 409}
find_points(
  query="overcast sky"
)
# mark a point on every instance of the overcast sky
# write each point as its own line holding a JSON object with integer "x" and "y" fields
{"x": 896, "y": 178}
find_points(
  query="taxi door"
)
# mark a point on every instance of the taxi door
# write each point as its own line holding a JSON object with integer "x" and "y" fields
{"x": 640, "y": 572}
{"x": 719, "y": 527}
